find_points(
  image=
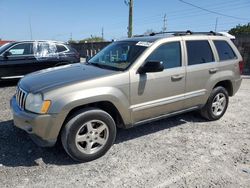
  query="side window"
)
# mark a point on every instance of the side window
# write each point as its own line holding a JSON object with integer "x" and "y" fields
{"x": 45, "y": 49}
{"x": 224, "y": 50}
{"x": 61, "y": 48}
{"x": 169, "y": 54}
{"x": 199, "y": 51}
{"x": 21, "y": 49}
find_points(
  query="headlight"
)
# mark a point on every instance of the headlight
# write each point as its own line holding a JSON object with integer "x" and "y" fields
{"x": 35, "y": 103}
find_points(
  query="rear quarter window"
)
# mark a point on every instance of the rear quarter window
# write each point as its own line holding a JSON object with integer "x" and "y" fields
{"x": 199, "y": 52}
{"x": 224, "y": 50}
{"x": 61, "y": 48}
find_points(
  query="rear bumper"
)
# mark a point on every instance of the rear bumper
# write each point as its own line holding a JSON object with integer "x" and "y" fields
{"x": 38, "y": 126}
{"x": 236, "y": 85}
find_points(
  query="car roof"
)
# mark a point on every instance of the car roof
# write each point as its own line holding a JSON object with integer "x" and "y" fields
{"x": 146, "y": 38}
{"x": 52, "y": 41}
{"x": 156, "y": 36}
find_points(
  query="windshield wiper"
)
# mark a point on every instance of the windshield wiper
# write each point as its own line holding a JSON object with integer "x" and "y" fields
{"x": 97, "y": 65}
{"x": 102, "y": 66}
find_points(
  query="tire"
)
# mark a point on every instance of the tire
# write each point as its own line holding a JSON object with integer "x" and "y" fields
{"x": 214, "y": 103}
{"x": 88, "y": 134}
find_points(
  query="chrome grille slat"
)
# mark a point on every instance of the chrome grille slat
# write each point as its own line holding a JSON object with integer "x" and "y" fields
{"x": 19, "y": 100}
{"x": 21, "y": 97}
{"x": 23, "y": 100}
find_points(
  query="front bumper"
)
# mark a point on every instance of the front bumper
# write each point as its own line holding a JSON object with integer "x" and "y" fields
{"x": 38, "y": 126}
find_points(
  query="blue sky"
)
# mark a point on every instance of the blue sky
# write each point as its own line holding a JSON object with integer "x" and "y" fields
{"x": 57, "y": 19}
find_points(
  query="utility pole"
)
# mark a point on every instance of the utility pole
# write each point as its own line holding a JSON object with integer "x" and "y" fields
{"x": 164, "y": 29}
{"x": 216, "y": 24}
{"x": 130, "y": 19}
{"x": 102, "y": 33}
{"x": 71, "y": 37}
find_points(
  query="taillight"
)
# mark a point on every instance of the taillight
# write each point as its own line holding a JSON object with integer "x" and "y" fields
{"x": 241, "y": 66}
{"x": 77, "y": 55}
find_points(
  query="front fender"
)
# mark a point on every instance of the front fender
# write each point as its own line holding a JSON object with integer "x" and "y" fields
{"x": 71, "y": 100}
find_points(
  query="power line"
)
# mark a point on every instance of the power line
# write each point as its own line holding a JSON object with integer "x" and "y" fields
{"x": 211, "y": 11}
{"x": 175, "y": 15}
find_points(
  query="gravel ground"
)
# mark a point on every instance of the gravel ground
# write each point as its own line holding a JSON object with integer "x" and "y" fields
{"x": 183, "y": 151}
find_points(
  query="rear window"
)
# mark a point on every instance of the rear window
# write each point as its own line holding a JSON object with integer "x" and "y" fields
{"x": 199, "y": 52}
{"x": 61, "y": 48}
{"x": 224, "y": 50}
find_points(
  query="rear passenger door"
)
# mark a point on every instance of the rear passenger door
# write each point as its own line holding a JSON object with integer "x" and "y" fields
{"x": 201, "y": 70}
{"x": 46, "y": 54}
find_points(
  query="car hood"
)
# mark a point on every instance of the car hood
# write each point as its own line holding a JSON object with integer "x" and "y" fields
{"x": 59, "y": 76}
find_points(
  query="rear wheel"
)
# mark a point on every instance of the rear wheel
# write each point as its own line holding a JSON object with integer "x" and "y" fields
{"x": 89, "y": 134}
{"x": 216, "y": 104}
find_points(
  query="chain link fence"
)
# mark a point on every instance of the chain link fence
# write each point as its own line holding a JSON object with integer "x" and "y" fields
{"x": 243, "y": 44}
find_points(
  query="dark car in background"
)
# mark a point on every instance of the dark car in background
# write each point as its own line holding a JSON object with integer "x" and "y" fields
{"x": 20, "y": 58}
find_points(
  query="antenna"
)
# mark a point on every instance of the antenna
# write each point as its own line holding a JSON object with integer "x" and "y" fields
{"x": 30, "y": 29}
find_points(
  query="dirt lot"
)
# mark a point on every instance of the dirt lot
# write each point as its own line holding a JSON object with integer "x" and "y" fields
{"x": 183, "y": 151}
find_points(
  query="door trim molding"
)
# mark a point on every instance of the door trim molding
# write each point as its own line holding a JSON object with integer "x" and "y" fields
{"x": 166, "y": 115}
{"x": 167, "y": 100}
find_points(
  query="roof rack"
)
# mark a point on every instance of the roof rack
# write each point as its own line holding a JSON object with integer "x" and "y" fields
{"x": 181, "y": 33}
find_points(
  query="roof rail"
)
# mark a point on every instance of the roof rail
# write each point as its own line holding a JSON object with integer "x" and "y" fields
{"x": 181, "y": 33}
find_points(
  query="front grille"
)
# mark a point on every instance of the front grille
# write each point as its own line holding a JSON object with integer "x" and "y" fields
{"x": 21, "y": 97}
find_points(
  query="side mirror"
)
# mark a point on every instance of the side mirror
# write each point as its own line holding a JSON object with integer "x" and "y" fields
{"x": 151, "y": 66}
{"x": 6, "y": 54}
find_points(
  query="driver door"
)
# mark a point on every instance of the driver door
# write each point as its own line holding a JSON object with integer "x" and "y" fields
{"x": 159, "y": 93}
{"x": 18, "y": 62}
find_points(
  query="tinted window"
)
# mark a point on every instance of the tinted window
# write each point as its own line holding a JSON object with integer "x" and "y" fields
{"x": 61, "y": 48}
{"x": 169, "y": 54}
{"x": 21, "y": 49}
{"x": 224, "y": 50}
{"x": 199, "y": 52}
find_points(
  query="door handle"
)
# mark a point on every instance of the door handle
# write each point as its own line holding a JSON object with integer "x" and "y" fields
{"x": 212, "y": 71}
{"x": 176, "y": 77}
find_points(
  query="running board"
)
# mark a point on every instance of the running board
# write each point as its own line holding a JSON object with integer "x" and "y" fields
{"x": 166, "y": 115}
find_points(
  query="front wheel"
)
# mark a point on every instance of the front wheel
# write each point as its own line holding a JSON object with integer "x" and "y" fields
{"x": 216, "y": 104}
{"x": 88, "y": 134}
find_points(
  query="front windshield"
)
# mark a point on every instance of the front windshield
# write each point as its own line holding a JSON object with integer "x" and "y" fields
{"x": 118, "y": 55}
{"x": 5, "y": 47}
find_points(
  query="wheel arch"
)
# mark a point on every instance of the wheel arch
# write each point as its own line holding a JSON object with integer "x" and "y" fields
{"x": 106, "y": 106}
{"x": 227, "y": 84}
